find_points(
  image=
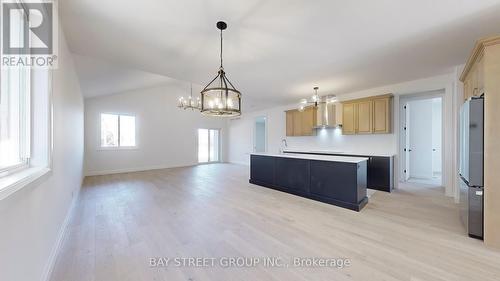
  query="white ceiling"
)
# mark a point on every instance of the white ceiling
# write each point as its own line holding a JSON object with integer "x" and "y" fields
{"x": 275, "y": 51}
{"x": 99, "y": 77}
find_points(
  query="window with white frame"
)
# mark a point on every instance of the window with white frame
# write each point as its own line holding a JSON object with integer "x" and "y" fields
{"x": 15, "y": 111}
{"x": 117, "y": 130}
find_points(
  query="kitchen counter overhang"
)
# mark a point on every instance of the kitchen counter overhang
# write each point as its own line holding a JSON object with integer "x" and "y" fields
{"x": 336, "y": 180}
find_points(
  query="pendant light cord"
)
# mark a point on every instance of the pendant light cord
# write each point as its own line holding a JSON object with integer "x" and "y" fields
{"x": 221, "y": 49}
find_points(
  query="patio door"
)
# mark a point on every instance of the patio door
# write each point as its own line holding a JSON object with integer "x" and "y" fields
{"x": 208, "y": 145}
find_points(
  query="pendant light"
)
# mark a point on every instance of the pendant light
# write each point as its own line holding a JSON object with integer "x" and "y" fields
{"x": 190, "y": 102}
{"x": 316, "y": 100}
{"x": 220, "y": 97}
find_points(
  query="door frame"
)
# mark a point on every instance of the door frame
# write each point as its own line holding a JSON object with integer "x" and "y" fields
{"x": 402, "y": 133}
{"x": 265, "y": 132}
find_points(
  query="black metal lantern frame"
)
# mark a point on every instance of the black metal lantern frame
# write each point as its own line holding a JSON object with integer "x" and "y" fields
{"x": 220, "y": 97}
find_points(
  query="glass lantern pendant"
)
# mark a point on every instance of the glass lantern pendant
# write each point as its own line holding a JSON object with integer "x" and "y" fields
{"x": 220, "y": 97}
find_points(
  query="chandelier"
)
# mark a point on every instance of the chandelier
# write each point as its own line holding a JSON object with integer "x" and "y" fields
{"x": 189, "y": 103}
{"x": 220, "y": 97}
{"x": 316, "y": 100}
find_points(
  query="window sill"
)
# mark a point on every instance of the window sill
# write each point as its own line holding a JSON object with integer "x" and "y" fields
{"x": 13, "y": 183}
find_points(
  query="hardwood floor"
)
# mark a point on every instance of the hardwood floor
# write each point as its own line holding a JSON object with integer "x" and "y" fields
{"x": 123, "y": 220}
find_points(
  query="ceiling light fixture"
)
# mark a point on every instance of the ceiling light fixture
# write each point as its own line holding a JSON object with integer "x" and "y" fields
{"x": 316, "y": 100}
{"x": 220, "y": 97}
{"x": 189, "y": 103}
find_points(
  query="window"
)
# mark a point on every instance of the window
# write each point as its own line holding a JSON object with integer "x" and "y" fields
{"x": 208, "y": 145}
{"x": 15, "y": 112}
{"x": 117, "y": 130}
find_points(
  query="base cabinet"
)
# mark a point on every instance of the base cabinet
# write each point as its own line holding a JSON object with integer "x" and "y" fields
{"x": 338, "y": 183}
{"x": 380, "y": 169}
{"x": 380, "y": 173}
{"x": 263, "y": 170}
{"x": 293, "y": 174}
{"x": 323, "y": 173}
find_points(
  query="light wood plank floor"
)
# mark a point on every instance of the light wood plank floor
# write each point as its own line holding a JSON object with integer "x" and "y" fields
{"x": 212, "y": 211}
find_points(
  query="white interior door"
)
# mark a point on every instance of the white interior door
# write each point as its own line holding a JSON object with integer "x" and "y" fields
{"x": 420, "y": 147}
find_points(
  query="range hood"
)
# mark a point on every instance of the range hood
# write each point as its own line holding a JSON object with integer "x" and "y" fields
{"x": 326, "y": 116}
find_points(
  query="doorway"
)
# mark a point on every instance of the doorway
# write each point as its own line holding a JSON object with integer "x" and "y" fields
{"x": 422, "y": 131}
{"x": 260, "y": 134}
{"x": 208, "y": 145}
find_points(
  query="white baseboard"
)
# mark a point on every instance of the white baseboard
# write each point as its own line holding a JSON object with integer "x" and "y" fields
{"x": 240, "y": 163}
{"x": 51, "y": 262}
{"x": 130, "y": 170}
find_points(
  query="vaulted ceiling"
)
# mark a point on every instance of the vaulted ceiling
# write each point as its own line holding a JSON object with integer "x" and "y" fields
{"x": 275, "y": 51}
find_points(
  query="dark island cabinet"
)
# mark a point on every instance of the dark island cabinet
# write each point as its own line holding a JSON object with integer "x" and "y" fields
{"x": 380, "y": 173}
{"x": 263, "y": 170}
{"x": 351, "y": 177}
{"x": 338, "y": 183}
{"x": 293, "y": 174}
{"x": 379, "y": 169}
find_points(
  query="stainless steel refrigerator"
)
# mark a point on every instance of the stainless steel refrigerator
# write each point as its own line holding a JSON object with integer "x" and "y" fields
{"x": 471, "y": 165}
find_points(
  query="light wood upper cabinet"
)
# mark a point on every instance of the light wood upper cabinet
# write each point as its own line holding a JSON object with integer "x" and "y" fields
{"x": 476, "y": 68}
{"x": 348, "y": 118}
{"x": 308, "y": 121}
{"x": 382, "y": 115}
{"x": 367, "y": 116}
{"x": 467, "y": 90}
{"x": 297, "y": 123}
{"x": 480, "y": 75}
{"x": 364, "y": 117}
{"x": 475, "y": 79}
{"x": 289, "y": 123}
{"x": 338, "y": 113}
{"x": 301, "y": 123}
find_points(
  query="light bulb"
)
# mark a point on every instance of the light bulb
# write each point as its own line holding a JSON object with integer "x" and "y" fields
{"x": 220, "y": 106}
{"x": 230, "y": 103}
{"x": 315, "y": 98}
{"x": 211, "y": 104}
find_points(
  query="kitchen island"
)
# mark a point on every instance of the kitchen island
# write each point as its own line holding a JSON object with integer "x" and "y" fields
{"x": 380, "y": 167}
{"x": 337, "y": 180}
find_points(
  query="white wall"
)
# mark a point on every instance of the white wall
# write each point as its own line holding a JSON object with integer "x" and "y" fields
{"x": 166, "y": 135}
{"x": 436, "y": 135}
{"x": 32, "y": 219}
{"x": 240, "y": 130}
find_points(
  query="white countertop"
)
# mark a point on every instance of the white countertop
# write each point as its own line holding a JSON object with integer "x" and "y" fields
{"x": 292, "y": 150}
{"x": 332, "y": 158}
